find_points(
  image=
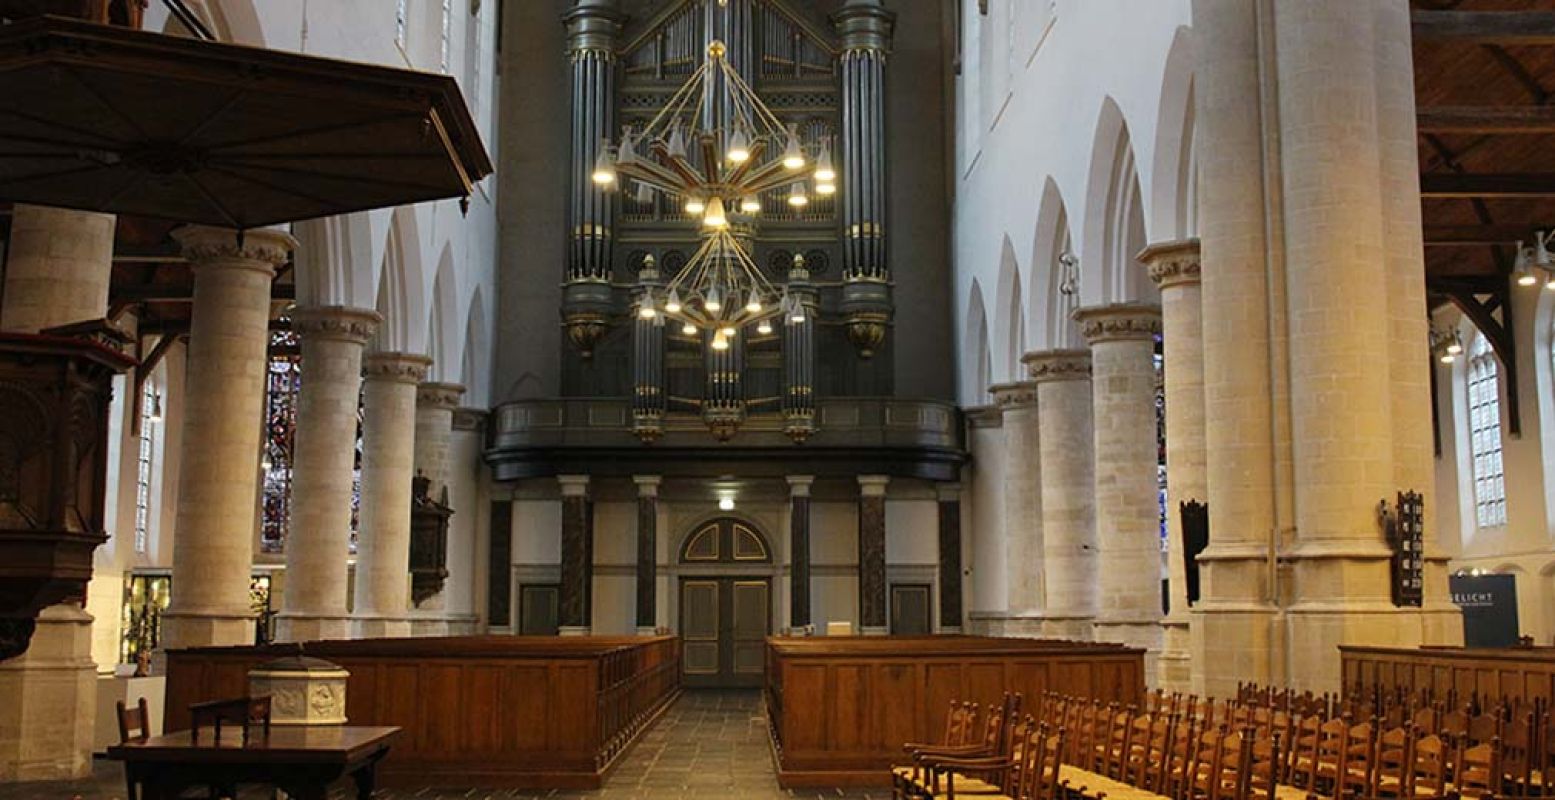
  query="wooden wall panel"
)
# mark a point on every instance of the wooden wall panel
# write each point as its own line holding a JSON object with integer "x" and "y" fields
{"x": 1491, "y": 674}
{"x": 841, "y": 707}
{"x": 477, "y": 711}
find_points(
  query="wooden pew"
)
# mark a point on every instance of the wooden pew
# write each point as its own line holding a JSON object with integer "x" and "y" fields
{"x": 1488, "y": 675}
{"x": 499, "y": 711}
{"x": 840, "y": 707}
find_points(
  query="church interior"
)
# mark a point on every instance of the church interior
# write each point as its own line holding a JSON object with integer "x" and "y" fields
{"x": 1031, "y": 399}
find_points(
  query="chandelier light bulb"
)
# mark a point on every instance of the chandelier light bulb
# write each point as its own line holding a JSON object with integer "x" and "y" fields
{"x": 793, "y": 157}
{"x": 796, "y": 315}
{"x": 677, "y": 143}
{"x": 644, "y": 193}
{"x": 726, "y": 503}
{"x": 720, "y": 342}
{"x": 727, "y": 331}
{"x": 604, "y": 166}
{"x": 1541, "y": 248}
{"x": 753, "y": 304}
{"x": 715, "y": 218}
{"x": 695, "y": 206}
{"x": 764, "y": 327}
{"x": 1455, "y": 347}
{"x": 646, "y": 309}
{"x": 797, "y": 197}
{"x": 749, "y": 204}
{"x": 627, "y": 153}
{"x": 713, "y": 303}
{"x": 1525, "y": 277}
{"x": 672, "y": 303}
{"x": 823, "y": 168}
{"x": 1550, "y": 284}
{"x": 1448, "y": 358}
{"x": 739, "y": 147}
{"x": 688, "y": 329}
{"x": 826, "y": 188}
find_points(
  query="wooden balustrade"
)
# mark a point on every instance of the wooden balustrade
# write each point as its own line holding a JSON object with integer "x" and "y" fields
{"x": 841, "y": 707}
{"x": 477, "y": 711}
{"x": 1488, "y": 675}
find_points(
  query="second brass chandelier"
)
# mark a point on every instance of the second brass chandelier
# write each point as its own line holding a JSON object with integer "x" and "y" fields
{"x": 716, "y": 147}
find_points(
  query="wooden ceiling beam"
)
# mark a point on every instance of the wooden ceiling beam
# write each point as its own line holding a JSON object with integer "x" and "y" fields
{"x": 1511, "y": 185}
{"x": 1484, "y": 27}
{"x": 1487, "y": 119}
{"x": 1476, "y": 235}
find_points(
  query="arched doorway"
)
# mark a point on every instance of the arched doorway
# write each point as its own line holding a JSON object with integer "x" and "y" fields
{"x": 725, "y": 604}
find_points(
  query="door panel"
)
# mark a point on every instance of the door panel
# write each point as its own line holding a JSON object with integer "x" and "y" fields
{"x": 699, "y": 627}
{"x": 724, "y": 624}
{"x": 751, "y": 617}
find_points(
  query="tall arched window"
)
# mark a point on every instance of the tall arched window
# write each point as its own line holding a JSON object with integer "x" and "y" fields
{"x": 1485, "y": 435}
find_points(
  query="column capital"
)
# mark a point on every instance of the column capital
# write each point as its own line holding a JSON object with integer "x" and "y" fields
{"x": 864, "y": 25}
{"x": 947, "y": 492}
{"x": 1172, "y": 263}
{"x": 873, "y": 485}
{"x": 592, "y": 26}
{"x": 336, "y": 323}
{"x": 799, "y": 485}
{"x": 260, "y": 248}
{"x": 1116, "y": 322}
{"x": 396, "y": 367}
{"x": 647, "y": 485}
{"x": 573, "y": 485}
{"x": 1047, "y": 366}
{"x": 439, "y": 395}
{"x": 1020, "y": 394}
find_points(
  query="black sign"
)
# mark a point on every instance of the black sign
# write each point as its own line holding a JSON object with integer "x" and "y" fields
{"x": 1489, "y": 604}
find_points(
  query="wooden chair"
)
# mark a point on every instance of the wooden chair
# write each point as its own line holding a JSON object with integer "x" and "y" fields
{"x": 1517, "y": 755}
{"x": 985, "y": 773}
{"x": 1393, "y": 764}
{"x": 246, "y": 712}
{"x": 1428, "y": 767}
{"x": 134, "y": 726}
{"x": 1477, "y": 769}
{"x": 959, "y": 723}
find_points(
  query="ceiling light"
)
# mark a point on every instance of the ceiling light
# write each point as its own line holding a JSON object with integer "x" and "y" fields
{"x": 793, "y": 156}
{"x": 750, "y": 204}
{"x": 823, "y": 168}
{"x": 739, "y": 147}
{"x": 672, "y": 303}
{"x": 764, "y": 327}
{"x": 826, "y": 188}
{"x": 727, "y": 331}
{"x": 753, "y": 305}
{"x": 695, "y": 206}
{"x": 1448, "y": 358}
{"x": 688, "y": 329}
{"x": 720, "y": 342}
{"x": 713, "y": 302}
{"x": 726, "y": 503}
{"x": 714, "y": 218}
{"x": 797, "y": 197}
{"x": 645, "y": 309}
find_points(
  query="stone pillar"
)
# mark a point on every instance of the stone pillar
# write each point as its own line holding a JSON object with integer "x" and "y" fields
{"x": 1174, "y": 266}
{"x": 1063, "y": 381}
{"x": 318, "y": 545}
{"x": 871, "y": 555}
{"x": 1122, "y": 340}
{"x": 388, "y": 459}
{"x": 1233, "y": 629}
{"x": 57, "y": 271}
{"x": 435, "y": 405}
{"x": 647, "y": 553}
{"x": 950, "y": 605}
{"x": 224, "y": 388}
{"x": 1025, "y": 582}
{"x": 577, "y": 567}
{"x": 799, "y": 550}
{"x": 1341, "y": 400}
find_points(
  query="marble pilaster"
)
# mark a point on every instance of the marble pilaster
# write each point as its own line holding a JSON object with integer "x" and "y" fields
{"x": 1025, "y": 576}
{"x": 218, "y": 479}
{"x": 319, "y": 531}
{"x": 871, "y": 554}
{"x": 1122, "y": 341}
{"x": 647, "y": 552}
{"x": 950, "y": 589}
{"x": 799, "y": 550}
{"x": 1063, "y": 382}
{"x": 388, "y": 462}
{"x": 574, "y": 609}
{"x": 1174, "y": 266}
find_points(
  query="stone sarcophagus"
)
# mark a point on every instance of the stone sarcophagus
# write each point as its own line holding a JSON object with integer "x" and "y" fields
{"x": 54, "y": 396}
{"x": 428, "y": 541}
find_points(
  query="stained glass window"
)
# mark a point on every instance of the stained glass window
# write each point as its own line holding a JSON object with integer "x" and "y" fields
{"x": 145, "y": 598}
{"x": 283, "y": 378}
{"x": 1485, "y": 435}
{"x": 150, "y": 411}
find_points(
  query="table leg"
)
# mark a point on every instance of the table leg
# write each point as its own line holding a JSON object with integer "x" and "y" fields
{"x": 365, "y": 778}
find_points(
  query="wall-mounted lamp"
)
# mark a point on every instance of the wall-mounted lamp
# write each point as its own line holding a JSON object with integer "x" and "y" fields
{"x": 155, "y": 412}
{"x": 1534, "y": 262}
{"x": 726, "y": 503}
{"x": 1446, "y": 345}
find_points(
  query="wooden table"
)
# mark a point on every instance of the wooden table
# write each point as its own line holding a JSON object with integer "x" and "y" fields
{"x": 303, "y": 761}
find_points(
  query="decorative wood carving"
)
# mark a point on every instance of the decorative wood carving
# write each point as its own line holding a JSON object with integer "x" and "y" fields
{"x": 1195, "y": 537}
{"x": 428, "y": 540}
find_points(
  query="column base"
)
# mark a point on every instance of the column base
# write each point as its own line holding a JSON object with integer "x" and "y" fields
{"x": 573, "y": 630}
{"x": 193, "y": 628}
{"x": 302, "y": 627}
{"x": 1232, "y": 643}
{"x": 51, "y": 701}
{"x": 377, "y": 627}
{"x": 1174, "y": 668}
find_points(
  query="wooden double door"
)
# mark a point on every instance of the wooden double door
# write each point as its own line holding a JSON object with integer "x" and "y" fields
{"x": 724, "y": 622}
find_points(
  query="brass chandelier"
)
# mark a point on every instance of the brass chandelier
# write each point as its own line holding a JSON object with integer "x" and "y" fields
{"x": 716, "y": 147}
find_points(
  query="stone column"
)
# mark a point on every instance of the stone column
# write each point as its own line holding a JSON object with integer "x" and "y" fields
{"x": 57, "y": 270}
{"x": 577, "y": 567}
{"x": 871, "y": 555}
{"x": 318, "y": 545}
{"x": 435, "y": 406}
{"x": 1174, "y": 266}
{"x": 388, "y": 459}
{"x": 647, "y": 553}
{"x": 1341, "y": 400}
{"x": 799, "y": 550}
{"x": 1063, "y": 381}
{"x": 950, "y": 605}
{"x": 1122, "y": 340}
{"x": 224, "y": 395}
{"x": 1233, "y": 634}
{"x": 1025, "y": 582}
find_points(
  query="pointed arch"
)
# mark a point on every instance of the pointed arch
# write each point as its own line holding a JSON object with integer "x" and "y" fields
{"x": 1050, "y": 308}
{"x": 401, "y": 297}
{"x": 1009, "y": 315}
{"x": 335, "y": 256}
{"x": 977, "y": 368}
{"x": 445, "y": 341}
{"x": 1174, "y": 175}
{"x": 475, "y": 369}
{"x": 1114, "y": 230}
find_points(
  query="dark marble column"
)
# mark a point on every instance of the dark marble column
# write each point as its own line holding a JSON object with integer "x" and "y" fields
{"x": 577, "y": 567}
{"x": 871, "y": 554}
{"x": 950, "y": 558}
{"x": 799, "y": 549}
{"x": 647, "y": 552}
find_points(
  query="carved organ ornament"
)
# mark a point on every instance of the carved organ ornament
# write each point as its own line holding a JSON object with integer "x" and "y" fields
{"x": 734, "y": 128}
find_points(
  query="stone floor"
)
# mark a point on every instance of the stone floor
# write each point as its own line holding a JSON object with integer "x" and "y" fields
{"x": 710, "y": 745}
